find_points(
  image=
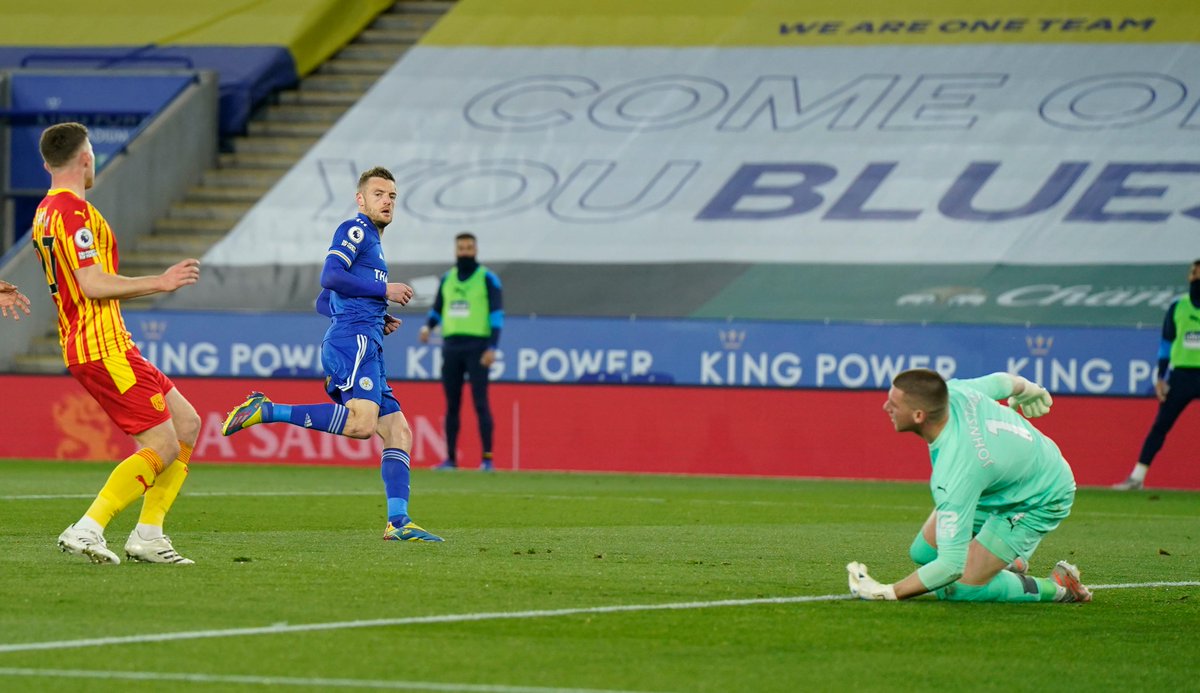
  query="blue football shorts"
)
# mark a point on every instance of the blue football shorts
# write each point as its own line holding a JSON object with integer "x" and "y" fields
{"x": 354, "y": 370}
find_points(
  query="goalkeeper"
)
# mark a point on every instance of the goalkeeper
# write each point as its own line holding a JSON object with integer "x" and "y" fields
{"x": 999, "y": 487}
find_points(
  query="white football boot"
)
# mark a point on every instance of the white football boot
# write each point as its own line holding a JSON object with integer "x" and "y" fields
{"x": 1129, "y": 484}
{"x": 86, "y": 542}
{"x": 157, "y": 550}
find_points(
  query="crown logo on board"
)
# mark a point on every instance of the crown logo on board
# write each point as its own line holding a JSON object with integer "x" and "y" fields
{"x": 1039, "y": 345}
{"x": 732, "y": 340}
{"x": 154, "y": 329}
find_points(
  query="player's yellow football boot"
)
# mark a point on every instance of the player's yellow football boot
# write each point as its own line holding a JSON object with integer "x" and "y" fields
{"x": 245, "y": 414}
{"x": 408, "y": 532}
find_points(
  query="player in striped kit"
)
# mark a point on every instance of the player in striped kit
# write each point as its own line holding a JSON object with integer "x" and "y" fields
{"x": 78, "y": 252}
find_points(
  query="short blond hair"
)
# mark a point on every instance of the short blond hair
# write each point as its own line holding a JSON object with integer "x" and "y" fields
{"x": 377, "y": 172}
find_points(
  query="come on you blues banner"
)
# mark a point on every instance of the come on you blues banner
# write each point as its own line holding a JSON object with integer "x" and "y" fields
{"x": 783, "y": 161}
{"x": 644, "y": 146}
{"x": 1110, "y": 361}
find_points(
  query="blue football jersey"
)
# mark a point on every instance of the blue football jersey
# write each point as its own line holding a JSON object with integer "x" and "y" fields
{"x": 357, "y": 244}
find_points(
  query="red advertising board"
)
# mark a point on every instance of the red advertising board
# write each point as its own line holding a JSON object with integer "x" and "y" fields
{"x": 611, "y": 428}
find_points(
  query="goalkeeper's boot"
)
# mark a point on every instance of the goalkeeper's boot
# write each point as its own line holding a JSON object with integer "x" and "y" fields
{"x": 156, "y": 550}
{"x": 86, "y": 542}
{"x": 245, "y": 414}
{"x": 409, "y": 531}
{"x": 1067, "y": 577}
{"x": 1129, "y": 484}
{"x": 1020, "y": 566}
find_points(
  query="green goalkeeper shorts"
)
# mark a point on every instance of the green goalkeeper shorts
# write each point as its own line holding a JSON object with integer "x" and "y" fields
{"x": 1018, "y": 534}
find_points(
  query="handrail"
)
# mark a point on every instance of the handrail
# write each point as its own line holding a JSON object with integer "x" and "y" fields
{"x": 26, "y": 116}
{"x": 108, "y": 60}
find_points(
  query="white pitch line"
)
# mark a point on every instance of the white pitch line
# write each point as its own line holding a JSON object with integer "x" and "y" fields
{"x": 571, "y": 498}
{"x": 321, "y": 683}
{"x": 283, "y": 628}
{"x": 549, "y": 497}
{"x": 546, "y": 497}
{"x": 539, "y": 497}
{"x": 1137, "y": 585}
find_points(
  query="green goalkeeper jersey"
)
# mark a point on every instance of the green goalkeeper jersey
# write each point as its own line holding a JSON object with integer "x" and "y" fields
{"x": 987, "y": 460}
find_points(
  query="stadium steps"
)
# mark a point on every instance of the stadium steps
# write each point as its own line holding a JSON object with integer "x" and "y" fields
{"x": 259, "y": 160}
{"x": 278, "y": 136}
{"x": 391, "y": 36}
{"x": 375, "y": 51}
{"x": 356, "y": 67}
{"x": 302, "y": 113}
{"x": 318, "y": 83}
{"x": 292, "y": 146}
{"x": 43, "y": 356}
{"x": 216, "y": 193}
{"x": 258, "y": 177}
{"x": 190, "y": 209}
{"x": 300, "y": 97}
{"x": 283, "y": 128}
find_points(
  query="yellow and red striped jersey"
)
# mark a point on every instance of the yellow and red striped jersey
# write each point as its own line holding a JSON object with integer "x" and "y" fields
{"x": 69, "y": 233}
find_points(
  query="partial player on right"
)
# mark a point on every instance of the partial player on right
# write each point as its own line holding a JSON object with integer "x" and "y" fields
{"x": 1178, "y": 381}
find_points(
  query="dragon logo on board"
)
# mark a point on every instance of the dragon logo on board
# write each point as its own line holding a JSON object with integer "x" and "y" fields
{"x": 87, "y": 432}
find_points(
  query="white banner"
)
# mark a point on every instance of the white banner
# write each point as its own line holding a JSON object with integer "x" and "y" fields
{"x": 1021, "y": 154}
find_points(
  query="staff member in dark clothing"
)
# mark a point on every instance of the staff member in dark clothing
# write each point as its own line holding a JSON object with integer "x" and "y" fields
{"x": 470, "y": 308}
{"x": 1178, "y": 380}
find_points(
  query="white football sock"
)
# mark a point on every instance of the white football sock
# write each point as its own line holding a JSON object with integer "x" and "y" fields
{"x": 149, "y": 531}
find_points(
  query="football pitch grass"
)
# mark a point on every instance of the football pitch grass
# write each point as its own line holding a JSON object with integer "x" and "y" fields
{"x": 571, "y": 582}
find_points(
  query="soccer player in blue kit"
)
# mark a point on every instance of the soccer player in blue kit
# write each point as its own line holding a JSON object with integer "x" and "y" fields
{"x": 355, "y": 297}
{"x": 999, "y": 487}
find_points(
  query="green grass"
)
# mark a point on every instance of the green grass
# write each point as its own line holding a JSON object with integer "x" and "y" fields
{"x": 300, "y": 545}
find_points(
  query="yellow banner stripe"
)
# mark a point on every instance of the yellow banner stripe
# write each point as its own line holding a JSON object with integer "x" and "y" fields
{"x": 781, "y": 23}
{"x": 312, "y": 30}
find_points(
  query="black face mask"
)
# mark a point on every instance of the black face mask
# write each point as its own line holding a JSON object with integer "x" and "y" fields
{"x": 466, "y": 265}
{"x": 1194, "y": 292}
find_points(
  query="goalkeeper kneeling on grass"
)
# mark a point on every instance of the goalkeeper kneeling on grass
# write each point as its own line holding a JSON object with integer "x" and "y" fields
{"x": 999, "y": 487}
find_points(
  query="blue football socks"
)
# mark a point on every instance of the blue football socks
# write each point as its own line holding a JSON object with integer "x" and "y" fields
{"x": 323, "y": 417}
{"x": 395, "y": 468}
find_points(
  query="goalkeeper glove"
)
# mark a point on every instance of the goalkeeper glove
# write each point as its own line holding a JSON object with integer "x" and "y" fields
{"x": 866, "y": 587}
{"x": 1033, "y": 401}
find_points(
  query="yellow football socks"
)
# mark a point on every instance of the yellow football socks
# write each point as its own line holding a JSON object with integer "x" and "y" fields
{"x": 160, "y": 498}
{"x": 133, "y": 477}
